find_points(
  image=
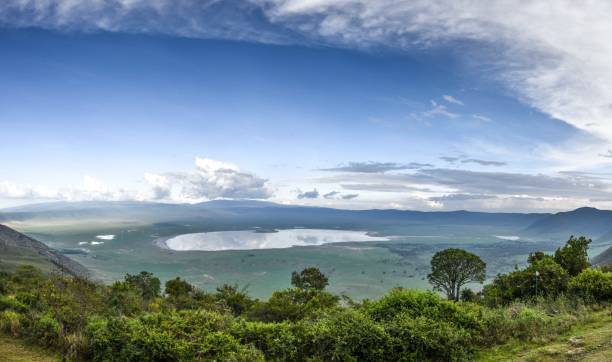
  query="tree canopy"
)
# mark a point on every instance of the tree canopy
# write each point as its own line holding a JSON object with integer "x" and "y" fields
{"x": 309, "y": 278}
{"x": 573, "y": 256}
{"x": 453, "y": 268}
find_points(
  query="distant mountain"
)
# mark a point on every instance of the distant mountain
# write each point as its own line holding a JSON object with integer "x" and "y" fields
{"x": 17, "y": 248}
{"x": 588, "y": 221}
{"x": 246, "y": 213}
{"x": 604, "y": 258}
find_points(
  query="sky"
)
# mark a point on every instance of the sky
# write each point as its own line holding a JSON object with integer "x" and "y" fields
{"x": 355, "y": 104}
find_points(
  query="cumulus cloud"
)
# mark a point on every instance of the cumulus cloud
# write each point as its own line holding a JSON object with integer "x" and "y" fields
{"x": 376, "y": 167}
{"x": 314, "y": 194}
{"x": 451, "y": 99}
{"x": 211, "y": 179}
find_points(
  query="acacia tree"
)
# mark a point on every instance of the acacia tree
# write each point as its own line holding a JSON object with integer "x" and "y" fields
{"x": 453, "y": 268}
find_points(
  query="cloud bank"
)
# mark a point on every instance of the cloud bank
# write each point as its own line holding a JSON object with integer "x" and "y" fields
{"x": 211, "y": 179}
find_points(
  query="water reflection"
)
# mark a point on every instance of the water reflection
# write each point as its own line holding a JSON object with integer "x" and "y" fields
{"x": 248, "y": 239}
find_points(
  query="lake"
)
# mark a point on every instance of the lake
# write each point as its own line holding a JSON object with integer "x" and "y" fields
{"x": 253, "y": 239}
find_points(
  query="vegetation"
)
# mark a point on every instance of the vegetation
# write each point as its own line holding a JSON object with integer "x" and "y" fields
{"x": 451, "y": 269}
{"x": 133, "y": 320}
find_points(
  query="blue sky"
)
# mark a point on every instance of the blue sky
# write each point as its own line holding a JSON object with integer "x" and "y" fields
{"x": 305, "y": 102}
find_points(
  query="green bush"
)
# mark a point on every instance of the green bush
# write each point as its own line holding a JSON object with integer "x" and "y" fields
{"x": 423, "y": 338}
{"x": 45, "y": 330}
{"x": 278, "y": 341}
{"x": 593, "y": 285}
{"x": 220, "y": 346}
{"x": 421, "y": 304}
{"x": 12, "y": 322}
{"x": 345, "y": 335}
{"x": 11, "y": 303}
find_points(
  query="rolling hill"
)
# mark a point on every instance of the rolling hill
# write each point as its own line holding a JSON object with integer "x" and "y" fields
{"x": 587, "y": 221}
{"x": 17, "y": 249}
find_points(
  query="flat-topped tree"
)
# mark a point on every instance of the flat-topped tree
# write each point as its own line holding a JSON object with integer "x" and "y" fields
{"x": 453, "y": 268}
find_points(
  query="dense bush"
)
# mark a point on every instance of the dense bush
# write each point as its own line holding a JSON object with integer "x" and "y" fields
{"x": 544, "y": 277}
{"x": 593, "y": 285}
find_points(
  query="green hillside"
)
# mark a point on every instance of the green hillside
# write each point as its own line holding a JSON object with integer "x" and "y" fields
{"x": 11, "y": 257}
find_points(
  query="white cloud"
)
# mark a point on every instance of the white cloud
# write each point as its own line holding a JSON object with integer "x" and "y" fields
{"x": 554, "y": 54}
{"x": 439, "y": 110}
{"x": 210, "y": 180}
{"x": 451, "y": 99}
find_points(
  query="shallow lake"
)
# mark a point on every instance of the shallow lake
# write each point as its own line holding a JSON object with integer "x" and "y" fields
{"x": 251, "y": 239}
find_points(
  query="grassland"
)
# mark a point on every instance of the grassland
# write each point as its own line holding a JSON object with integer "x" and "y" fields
{"x": 14, "y": 350}
{"x": 588, "y": 341}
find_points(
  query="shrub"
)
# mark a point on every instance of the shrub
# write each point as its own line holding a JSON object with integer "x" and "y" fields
{"x": 12, "y": 322}
{"x": 592, "y": 285}
{"x": 236, "y": 299}
{"x": 544, "y": 277}
{"x": 292, "y": 305}
{"x": 423, "y": 338}
{"x": 421, "y": 304}
{"x": 10, "y": 303}
{"x": 345, "y": 335}
{"x": 220, "y": 346}
{"x": 45, "y": 330}
{"x": 277, "y": 341}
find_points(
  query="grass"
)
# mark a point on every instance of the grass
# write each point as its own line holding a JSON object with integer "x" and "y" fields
{"x": 13, "y": 350}
{"x": 11, "y": 257}
{"x": 589, "y": 341}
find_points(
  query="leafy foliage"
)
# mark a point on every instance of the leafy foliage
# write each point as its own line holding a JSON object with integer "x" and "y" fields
{"x": 309, "y": 279}
{"x": 573, "y": 256}
{"x": 593, "y": 285}
{"x": 452, "y": 268}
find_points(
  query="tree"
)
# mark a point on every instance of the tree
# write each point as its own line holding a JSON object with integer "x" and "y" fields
{"x": 234, "y": 298}
{"x": 310, "y": 278}
{"x": 573, "y": 256}
{"x": 177, "y": 287}
{"x": 453, "y": 268}
{"x": 543, "y": 277}
{"x": 148, "y": 285}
